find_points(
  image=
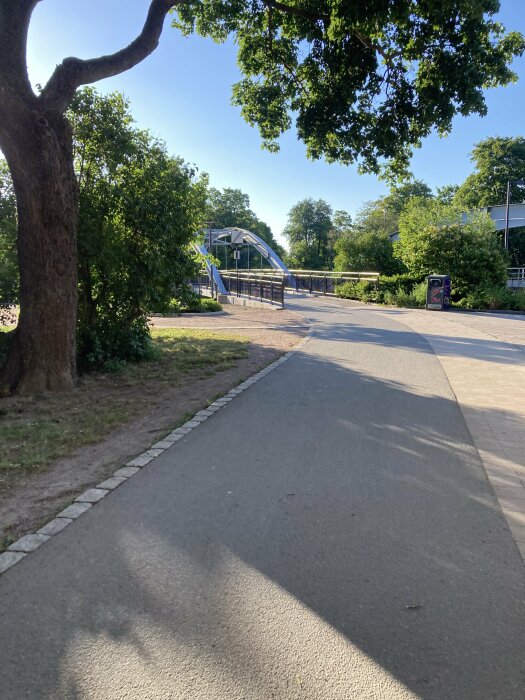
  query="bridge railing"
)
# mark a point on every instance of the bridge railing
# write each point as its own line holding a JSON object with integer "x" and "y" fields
{"x": 321, "y": 282}
{"x": 201, "y": 284}
{"x": 263, "y": 287}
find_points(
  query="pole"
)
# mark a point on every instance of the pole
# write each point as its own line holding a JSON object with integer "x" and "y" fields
{"x": 211, "y": 264}
{"x": 506, "y": 239}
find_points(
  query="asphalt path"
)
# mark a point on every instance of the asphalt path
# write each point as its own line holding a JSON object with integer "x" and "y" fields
{"x": 330, "y": 533}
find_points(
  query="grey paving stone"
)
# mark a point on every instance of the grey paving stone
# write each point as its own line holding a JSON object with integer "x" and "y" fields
{"x": 27, "y": 543}
{"x": 163, "y": 444}
{"x": 182, "y": 430}
{"x": 91, "y": 495}
{"x": 112, "y": 482}
{"x": 191, "y": 424}
{"x": 126, "y": 471}
{"x": 74, "y": 510}
{"x": 8, "y": 559}
{"x": 207, "y": 413}
{"x": 175, "y": 437}
{"x": 153, "y": 452}
{"x": 54, "y": 526}
{"x": 140, "y": 461}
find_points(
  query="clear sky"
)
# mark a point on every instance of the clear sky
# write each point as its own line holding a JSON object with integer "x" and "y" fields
{"x": 182, "y": 94}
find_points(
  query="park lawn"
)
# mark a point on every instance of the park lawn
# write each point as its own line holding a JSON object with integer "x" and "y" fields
{"x": 34, "y": 431}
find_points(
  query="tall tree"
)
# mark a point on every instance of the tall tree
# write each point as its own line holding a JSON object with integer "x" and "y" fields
{"x": 496, "y": 161}
{"x": 368, "y": 80}
{"x": 310, "y": 231}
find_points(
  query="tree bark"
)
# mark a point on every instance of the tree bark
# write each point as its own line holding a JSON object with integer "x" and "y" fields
{"x": 41, "y": 357}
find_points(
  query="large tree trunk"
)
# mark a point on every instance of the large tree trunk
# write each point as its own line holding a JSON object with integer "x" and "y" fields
{"x": 41, "y": 355}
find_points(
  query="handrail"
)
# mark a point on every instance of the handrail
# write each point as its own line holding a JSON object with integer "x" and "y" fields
{"x": 328, "y": 273}
{"x": 248, "y": 275}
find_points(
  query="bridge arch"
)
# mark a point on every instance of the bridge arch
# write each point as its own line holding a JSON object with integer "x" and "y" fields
{"x": 231, "y": 237}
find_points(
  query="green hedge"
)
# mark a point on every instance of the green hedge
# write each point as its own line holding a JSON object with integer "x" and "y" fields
{"x": 395, "y": 289}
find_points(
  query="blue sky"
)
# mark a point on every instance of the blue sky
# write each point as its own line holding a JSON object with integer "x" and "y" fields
{"x": 182, "y": 94}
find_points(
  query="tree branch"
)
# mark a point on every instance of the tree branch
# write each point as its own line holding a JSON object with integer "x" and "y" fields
{"x": 15, "y": 16}
{"x": 73, "y": 72}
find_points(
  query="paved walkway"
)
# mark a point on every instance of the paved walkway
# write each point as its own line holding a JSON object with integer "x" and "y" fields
{"x": 330, "y": 533}
{"x": 483, "y": 356}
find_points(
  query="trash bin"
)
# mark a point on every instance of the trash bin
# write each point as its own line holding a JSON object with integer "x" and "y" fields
{"x": 438, "y": 292}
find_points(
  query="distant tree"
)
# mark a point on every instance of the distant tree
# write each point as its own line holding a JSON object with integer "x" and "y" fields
{"x": 496, "y": 161}
{"x": 446, "y": 194}
{"x": 367, "y": 246}
{"x": 366, "y": 250}
{"x": 434, "y": 239}
{"x": 312, "y": 231}
{"x": 398, "y": 198}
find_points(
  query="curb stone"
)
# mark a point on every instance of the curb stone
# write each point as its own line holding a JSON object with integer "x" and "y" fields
{"x": 28, "y": 543}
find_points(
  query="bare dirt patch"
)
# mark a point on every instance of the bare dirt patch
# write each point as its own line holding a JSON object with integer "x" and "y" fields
{"x": 140, "y": 411}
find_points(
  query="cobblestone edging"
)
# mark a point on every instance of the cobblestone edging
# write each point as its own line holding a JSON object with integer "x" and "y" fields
{"x": 28, "y": 543}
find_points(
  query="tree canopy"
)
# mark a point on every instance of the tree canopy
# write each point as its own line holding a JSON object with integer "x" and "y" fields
{"x": 496, "y": 161}
{"x": 311, "y": 233}
{"x": 365, "y": 80}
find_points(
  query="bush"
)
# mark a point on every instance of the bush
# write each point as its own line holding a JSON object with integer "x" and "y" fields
{"x": 491, "y": 297}
{"x": 362, "y": 291}
{"x": 519, "y": 300}
{"x": 439, "y": 239}
{"x": 109, "y": 344}
{"x": 199, "y": 305}
{"x": 419, "y": 294}
{"x": 414, "y": 299}
{"x": 398, "y": 283}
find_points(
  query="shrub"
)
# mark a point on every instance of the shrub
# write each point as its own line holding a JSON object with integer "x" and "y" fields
{"x": 439, "y": 239}
{"x": 107, "y": 344}
{"x": 395, "y": 283}
{"x": 414, "y": 299}
{"x": 419, "y": 294}
{"x": 519, "y": 300}
{"x": 362, "y": 291}
{"x": 491, "y": 297}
